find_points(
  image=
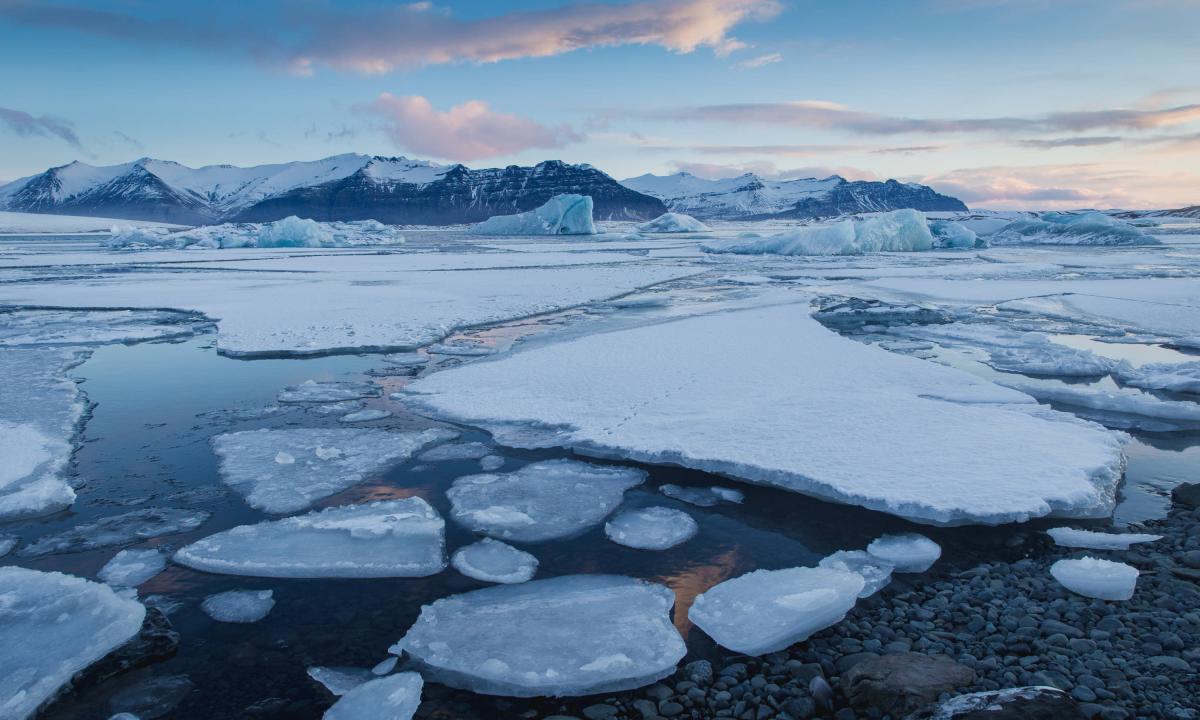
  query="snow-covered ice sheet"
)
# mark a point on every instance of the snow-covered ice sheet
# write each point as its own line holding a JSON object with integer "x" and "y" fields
{"x": 130, "y": 568}
{"x": 651, "y": 528}
{"x": 395, "y": 697}
{"x": 282, "y": 471}
{"x": 239, "y": 606}
{"x": 391, "y": 538}
{"x": 52, "y": 626}
{"x": 907, "y": 553}
{"x": 673, "y": 223}
{"x": 569, "y": 635}
{"x": 493, "y": 561}
{"x": 1095, "y": 578}
{"x": 1092, "y": 540}
{"x": 876, "y": 572}
{"x": 560, "y": 215}
{"x": 117, "y": 530}
{"x": 461, "y": 349}
{"x": 767, "y": 610}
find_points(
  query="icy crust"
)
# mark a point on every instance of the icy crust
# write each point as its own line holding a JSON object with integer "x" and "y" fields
{"x": 392, "y": 538}
{"x": 768, "y": 610}
{"x": 1006, "y": 460}
{"x": 395, "y": 697}
{"x": 908, "y": 553}
{"x": 130, "y": 568}
{"x": 1091, "y": 228}
{"x": 52, "y": 626}
{"x": 239, "y": 606}
{"x": 652, "y": 528}
{"x": 561, "y": 215}
{"x": 1095, "y": 578}
{"x": 1072, "y": 538}
{"x": 895, "y": 231}
{"x": 282, "y": 471}
{"x": 547, "y": 500}
{"x": 493, "y": 561}
{"x": 673, "y": 223}
{"x": 1173, "y": 377}
{"x": 571, "y": 635}
{"x": 291, "y": 231}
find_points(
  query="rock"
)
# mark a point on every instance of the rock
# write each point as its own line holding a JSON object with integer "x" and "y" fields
{"x": 1173, "y": 663}
{"x": 699, "y": 672}
{"x": 822, "y": 694}
{"x": 903, "y": 682}
{"x": 1023, "y": 703}
{"x": 156, "y": 641}
{"x": 1186, "y": 494}
{"x": 599, "y": 712}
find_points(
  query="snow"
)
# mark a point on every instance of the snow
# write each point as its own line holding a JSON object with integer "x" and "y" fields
{"x": 20, "y": 223}
{"x": 368, "y": 415}
{"x": 948, "y": 234}
{"x": 392, "y": 538}
{"x": 702, "y": 497}
{"x": 130, "y": 568}
{"x": 455, "y": 451}
{"x": 239, "y": 606}
{"x": 895, "y": 231}
{"x": 768, "y": 610}
{"x": 908, "y": 553}
{"x": 395, "y": 697}
{"x": 560, "y": 215}
{"x": 290, "y": 232}
{"x": 1072, "y": 538}
{"x": 282, "y": 471}
{"x": 1175, "y": 377}
{"x": 673, "y": 223}
{"x": 52, "y": 626}
{"x": 311, "y": 391}
{"x": 875, "y": 572}
{"x": 570, "y": 635}
{"x": 120, "y": 529}
{"x": 547, "y": 500}
{"x": 493, "y": 561}
{"x": 1091, "y": 228}
{"x": 1007, "y": 460}
{"x": 1095, "y": 578}
{"x": 340, "y": 680}
{"x": 651, "y": 528}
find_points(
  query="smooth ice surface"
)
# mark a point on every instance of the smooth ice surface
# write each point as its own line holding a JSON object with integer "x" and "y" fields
{"x": 1073, "y": 538}
{"x": 282, "y": 471}
{"x": 561, "y": 215}
{"x": 895, "y": 231}
{"x": 391, "y": 538}
{"x": 239, "y": 606}
{"x": 767, "y": 610}
{"x": 1091, "y": 228}
{"x": 493, "y": 561}
{"x": 702, "y": 496}
{"x": 908, "y": 553}
{"x": 673, "y": 223}
{"x": 636, "y": 393}
{"x": 1095, "y": 578}
{"x": 117, "y": 530}
{"x": 289, "y": 232}
{"x": 542, "y": 501}
{"x": 455, "y": 451}
{"x": 340, "y": 680}
{"x": 570, "y": 635}
{"x": 130, "y": 568}
{"x": 1175, "y": 377}
{"x": 52, "y": 626}
{"x": 395, "y": 697}
{"x": 876, "y": 572}
{"x": 652, "y": 528}
{"x": 367, "y": 415}
{"x": 311, "y": 391}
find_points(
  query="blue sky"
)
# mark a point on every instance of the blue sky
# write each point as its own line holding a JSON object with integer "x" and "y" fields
{"x": 1007, "y": 103}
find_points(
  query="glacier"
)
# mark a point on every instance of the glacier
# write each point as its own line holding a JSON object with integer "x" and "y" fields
{"x": 651, "y": 528}
{"x": 493, "y": 561}
{"x": 239, "y": 606}
{"x": 395, "y": 697}
{"x": 1095, "y": 578}
{"x": 895, "y": 231}
{"x": 673, "y": 223}
{"x": 560, "y": 215}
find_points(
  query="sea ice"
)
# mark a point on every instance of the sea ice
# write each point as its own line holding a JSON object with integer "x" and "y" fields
{"x": 1174, "y": 377}
{"x": 395, "y": 697}
{"x": 239, "y": 606}
{"x": 1072, "y": 538}
{"x": 652, "y": 528}
{"x": 455, "y": 451}
{"x": 767, "y": 610}
{"x": 52, "y": 626}
{"x": 117, "y": 530}
{"x": 368, "y": 415}
{"x": 570, "y": 635}
{"x": 1091, "y": 228}
{"x": 340, "y": 680}
{"x": 895, "y": 231}
{"x": 547, "y": 500}
{"x": 908, "y": 553}
{"x": 702, "y": 496}
{"x": 561, "y": 215}
{"x": 311, "y": 391}
{"x": 1132, "y": 405}
{"x": 876, "y": 572}
{"x": 130, "y": 568}
{"x": 282, "y": 471}
{"x": 1095, "y": 578}
{"x": 673, "y": 223}
{"x": 391, "y": 538}
{"x": 493, "y": 561}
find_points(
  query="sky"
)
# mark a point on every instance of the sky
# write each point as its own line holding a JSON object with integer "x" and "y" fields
{"x": 1037, "y": 104}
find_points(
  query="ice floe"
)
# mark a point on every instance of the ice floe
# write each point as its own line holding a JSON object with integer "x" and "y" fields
{"x": 239, "y": 606}
{"x": 570, "y": 635}
{"x": 117, "y": 530}
{"x": 702, "y": 496}
{"x": 767, "y": 610}
{"x": 1173, "y": 377}
{"x": 367, "y": 415}
{"x": 52, "y": 626}
{"x": 311, "y": 391}
{"x": 1095, "y": 578}
{"x": 340, "y": 680}
{"x": 673, "y": 223}
{"x": 560, "y": 215}
{"x": 651, "y": 528}
{"x": 395, "y": 697}
{"x": 455, "y": 451}
{"x": 546, "y": 500}
{"x": 282, "y": 471}
{"x": 491, "y": 463}
{"x": 895, "y": 231}
{"x": 391, "y": 538}
{"x": 908, "y": 553}
{"x": 130, "y": 568}
{"x": 875, "y": 571}
{"x": 290, "y": 232}
{"x": 1092, "y": 540}
{"x": 493, "y": 561}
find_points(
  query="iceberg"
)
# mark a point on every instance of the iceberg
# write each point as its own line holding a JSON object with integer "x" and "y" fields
{"x": 570, "y": 635}
{"x": 290, "y": 232}
{"x": 895, "y": 231}
{"x": 493, "y": 561}
{"x": 907, "y": 553}
{"x": 340, "y": 680}
{"x": 652, "y": 528}
{"x": 876, "y": 572}
{"x": 561, "y": 215}
{"x": 311, "y": 391}
{"x": 390, "y": 538}
{"x": 948, "y": 234}
{"x": 673, "y": 223}
{"x": 395, "y": 697}
{"x": 239, "y": 606}
{"x": 1095, "y": 578}
{"x": 1072, "y": 538}
{"x": 117, "y": 530}
{"x": 547, "y": 500}
{"x": 1091, "y": 228}
{"x": 52, "y": 626}
{"x": 130, "y": 568}
{"x": 702, "y": 497}
{"x": 1173, "y": 377}
{"x": 282, "y": 471}
{"x": 766, "y": 611}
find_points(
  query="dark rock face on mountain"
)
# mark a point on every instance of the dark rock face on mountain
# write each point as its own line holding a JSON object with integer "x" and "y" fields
{"x": 865, "y": 196}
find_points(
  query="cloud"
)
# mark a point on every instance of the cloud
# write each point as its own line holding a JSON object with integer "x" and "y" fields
{"x": 761, "y": 60}
{"x": 785, "y": 150}
{"x": 769, "y": 171}
{"x": 464, "y": 132}
{"x": 22, "y": 123}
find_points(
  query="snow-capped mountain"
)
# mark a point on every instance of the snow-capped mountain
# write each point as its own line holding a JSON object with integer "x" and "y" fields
{"x": 748, "y": 196}
{"x": 342, "y": 187}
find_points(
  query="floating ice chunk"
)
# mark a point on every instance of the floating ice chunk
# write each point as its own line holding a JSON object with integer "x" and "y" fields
{"x": 876, "y": 572}
{"x": 412, "y": 359}
{"x": 282, "y": 471}
{"x": 1072, "y": 538}
{"x": 895, "y": 231}
{"x": 702, "y": 497}
{"x": 117, "y": 530}
{"x": 652, "y": 528}
{"x": 908, "y": 553}
{"x": 7, "y": 543}
{"x": 239, "y": 606}
{"x": 1095, "y": 578}
{"x": 543, "y": 501}
{"x": 392, "y": 538}
{"x": 948, "y": 234}
{"x": 1060, "y": 229}
{"x": 673, "y": 223}
{"x": 130, "y": 568}
{"x": 491, "y": 463}
{"x": 395, "y": 697}
{"x": 383, "y": 667}
{"x": 1037, "y": 355}
{"x": 767, "y": 610}
{"x": 493, "y": 561}
{"x": 52, "y": 626}
{"x": 368, "y": 415}
{"x": 340, "y": 680}
{"x": 311, "y": 391}
{"x": 1174, "y": 377}
{"x": 338, "y": 408}
{"x": 461, "y": 349}
{"x": 455, "y": 451}
{"x": 571, "y": 635}
{"x": 561, "y": 215}
{"x": 292, "y": 231}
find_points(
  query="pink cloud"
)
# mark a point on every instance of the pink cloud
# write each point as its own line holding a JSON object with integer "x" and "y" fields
{"x": 1051, "y": 187}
